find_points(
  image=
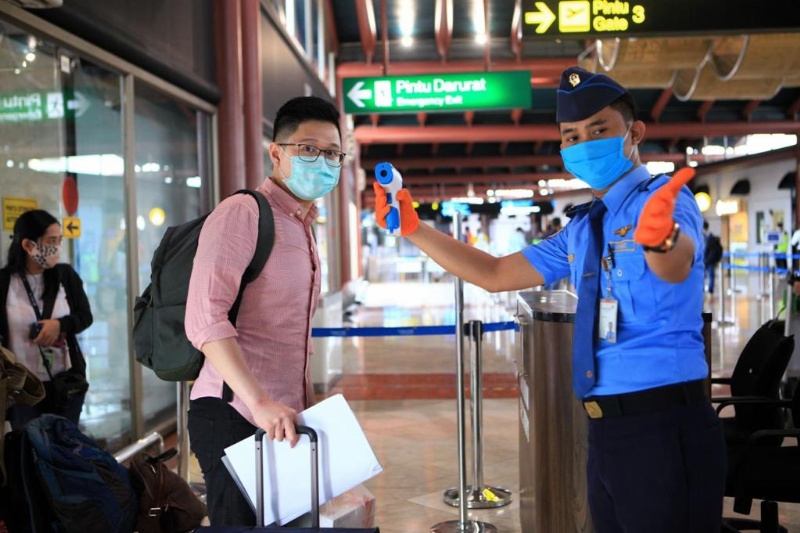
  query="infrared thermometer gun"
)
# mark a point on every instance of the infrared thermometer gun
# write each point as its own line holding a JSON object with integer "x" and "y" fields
{"x": 391, "y": 181}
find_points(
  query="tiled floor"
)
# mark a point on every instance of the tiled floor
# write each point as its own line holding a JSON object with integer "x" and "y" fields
{"x": 402, "y": 390}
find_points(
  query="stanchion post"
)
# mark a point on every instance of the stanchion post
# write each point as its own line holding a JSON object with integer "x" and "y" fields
{"x": 183, "y": 431}
{"x": 762, "y": 292}
{"x": 771, "y": 294}
{"x": 462, "y": 525}
{"x": 479, "y": 496}
{"x": 722, "y": 320}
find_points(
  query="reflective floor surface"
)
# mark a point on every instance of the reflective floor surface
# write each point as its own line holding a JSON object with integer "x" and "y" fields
{"x": 402, "y": 390}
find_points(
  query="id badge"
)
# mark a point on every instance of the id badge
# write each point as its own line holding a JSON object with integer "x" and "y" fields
{"x": 49, "y": 354}
{"x": 607, "y": 329}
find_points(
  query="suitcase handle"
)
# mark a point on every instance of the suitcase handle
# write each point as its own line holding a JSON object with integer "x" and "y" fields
{"x": 312, "y": 437}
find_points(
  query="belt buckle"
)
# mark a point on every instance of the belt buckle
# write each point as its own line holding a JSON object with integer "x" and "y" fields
{"x": 593, "y": 409}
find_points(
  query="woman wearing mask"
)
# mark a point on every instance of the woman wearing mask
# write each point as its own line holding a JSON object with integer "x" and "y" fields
{"x": 42, "y": 307}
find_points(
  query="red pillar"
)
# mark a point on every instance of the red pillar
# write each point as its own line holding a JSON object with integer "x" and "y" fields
{"x": 252, "y": 93}
{"x": 229, "y": 73}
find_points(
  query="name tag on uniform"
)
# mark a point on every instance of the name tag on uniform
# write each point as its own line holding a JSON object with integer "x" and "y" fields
{"x": 607, "y": 329}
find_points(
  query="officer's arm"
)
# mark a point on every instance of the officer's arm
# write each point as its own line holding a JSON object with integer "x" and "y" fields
{"x": 669, "y": 253}
{"x": 673, "y": 266}
{"x": 495, "y": 274}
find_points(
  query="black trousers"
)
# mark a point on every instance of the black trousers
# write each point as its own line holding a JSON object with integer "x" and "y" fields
{"x": 213, "y": 426}
{"x": 660, "y": 472}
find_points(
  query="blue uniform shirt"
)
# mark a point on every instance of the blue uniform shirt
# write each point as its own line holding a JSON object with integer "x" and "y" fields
{"x": 659, "y": 337}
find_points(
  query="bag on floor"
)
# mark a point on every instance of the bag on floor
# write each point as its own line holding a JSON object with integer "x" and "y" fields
{"x": 18, "y": 385}
{"x": 166, "y": 502}
{"x": 67, "y": 482}
{"x": 159, "y": 336}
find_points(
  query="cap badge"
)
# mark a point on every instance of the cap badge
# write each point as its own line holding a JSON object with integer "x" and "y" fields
{"x": 574, "y": 79}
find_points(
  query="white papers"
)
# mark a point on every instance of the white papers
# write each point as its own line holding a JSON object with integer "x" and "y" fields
{"x": 345, "y": 460}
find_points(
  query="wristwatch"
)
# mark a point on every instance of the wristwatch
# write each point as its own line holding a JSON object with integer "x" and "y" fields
{"x": 668, "y": 244}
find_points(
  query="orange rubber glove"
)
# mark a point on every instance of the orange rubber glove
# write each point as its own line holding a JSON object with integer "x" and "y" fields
{"x": 409, "y": 220}
{"x": 655, "y": 221}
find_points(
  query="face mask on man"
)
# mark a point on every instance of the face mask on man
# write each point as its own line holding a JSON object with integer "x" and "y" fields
{"x": 46, "y": 255}
{"x": 313, "y": 180}
{"x": 599, "y": 163}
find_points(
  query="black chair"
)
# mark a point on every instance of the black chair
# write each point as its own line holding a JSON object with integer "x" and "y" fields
{"x": 757, "y": 375}
{"x": 767, "y": 468}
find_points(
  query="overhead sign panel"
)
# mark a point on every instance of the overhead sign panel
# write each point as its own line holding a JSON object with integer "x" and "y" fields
{"x": 437, "y": 92}
{"x": 615, "y": 18}
{"x": 36, "y": 106}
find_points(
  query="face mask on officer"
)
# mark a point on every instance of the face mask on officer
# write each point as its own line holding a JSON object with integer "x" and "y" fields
{"x": 600, "y": 162}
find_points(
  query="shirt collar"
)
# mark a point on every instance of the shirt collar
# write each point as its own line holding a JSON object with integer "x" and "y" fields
{"x": 285, "y": 202}
{"x": 616, "y": 195}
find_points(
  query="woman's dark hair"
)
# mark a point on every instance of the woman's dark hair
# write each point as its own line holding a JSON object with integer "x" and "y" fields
{"x": 30, "y": 225}
{"x": 301, "y": 109}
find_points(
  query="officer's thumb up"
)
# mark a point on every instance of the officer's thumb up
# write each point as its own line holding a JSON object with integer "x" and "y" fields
{"x": 409, "y": 220}
{"x": 655, "y": 223}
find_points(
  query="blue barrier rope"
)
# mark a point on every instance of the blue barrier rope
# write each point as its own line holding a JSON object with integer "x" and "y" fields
{"x": 406, "y": 331}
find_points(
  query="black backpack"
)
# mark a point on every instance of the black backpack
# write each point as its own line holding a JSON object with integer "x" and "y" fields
{"x": 62, "y": 480}
{"x": 159, "y": 337}
{"x": 713, "y": 250}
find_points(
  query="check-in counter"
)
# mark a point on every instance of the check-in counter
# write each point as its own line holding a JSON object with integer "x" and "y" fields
{"x": 553, "y": 425}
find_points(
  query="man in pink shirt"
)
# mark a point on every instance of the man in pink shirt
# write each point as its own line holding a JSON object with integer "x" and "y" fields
{"x": 256, "y": 374}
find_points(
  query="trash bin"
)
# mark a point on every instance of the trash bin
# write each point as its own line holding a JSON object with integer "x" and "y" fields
{"x": 553, "y": 424}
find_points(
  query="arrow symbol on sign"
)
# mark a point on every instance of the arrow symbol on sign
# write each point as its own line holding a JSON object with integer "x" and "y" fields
{"x": 544, "y": 17}
{"x": 357, "y": 93}
{"x": 80, "y": 104}
{"x": 71, "y": 227}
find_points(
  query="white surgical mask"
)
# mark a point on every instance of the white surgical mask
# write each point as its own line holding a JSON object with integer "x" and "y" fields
{"x": 310, "y": 181}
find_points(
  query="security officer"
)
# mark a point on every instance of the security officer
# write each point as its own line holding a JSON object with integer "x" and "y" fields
{"x": 657, "y": 456}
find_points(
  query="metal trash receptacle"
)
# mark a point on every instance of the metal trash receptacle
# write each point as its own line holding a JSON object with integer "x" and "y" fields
{"x": 553, "y": 424}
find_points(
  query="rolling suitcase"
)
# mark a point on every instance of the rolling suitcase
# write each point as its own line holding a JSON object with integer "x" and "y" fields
{"x": 260, "y": 528}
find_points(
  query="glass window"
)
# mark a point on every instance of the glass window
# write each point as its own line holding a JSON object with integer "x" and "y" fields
{"x": 60, "y": 125}
{"x": 172, "y": 184}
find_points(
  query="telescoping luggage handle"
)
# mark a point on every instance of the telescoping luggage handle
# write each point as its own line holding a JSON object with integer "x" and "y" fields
{"x": 312, "y": 437}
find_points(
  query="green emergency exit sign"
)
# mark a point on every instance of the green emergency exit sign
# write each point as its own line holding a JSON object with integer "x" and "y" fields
{"x": 37, "y": 106}
{"x": 438, "y": 92}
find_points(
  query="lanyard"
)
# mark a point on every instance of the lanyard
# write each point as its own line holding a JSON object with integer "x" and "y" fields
{"x": 35, "y": 306}
{"x": 31, "y": 297}
{"x": 608, "y": 263}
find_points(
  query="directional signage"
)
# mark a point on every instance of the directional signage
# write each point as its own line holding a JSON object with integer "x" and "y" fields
{"x": 13, "y": 208}
{"x": 36, "y": 106}
{"x": 615, "y": 18}
{"x": 71, "y": 227}
{"x": 438, "y": 92}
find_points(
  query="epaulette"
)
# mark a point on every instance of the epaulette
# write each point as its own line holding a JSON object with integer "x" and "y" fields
{"x": 645, "y": 186}
{"x": 575, "y": 209}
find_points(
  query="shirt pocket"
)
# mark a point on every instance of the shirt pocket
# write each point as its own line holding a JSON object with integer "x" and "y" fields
{"x": 632, "y": 286}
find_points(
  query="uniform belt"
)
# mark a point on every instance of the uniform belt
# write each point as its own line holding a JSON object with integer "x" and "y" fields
{"x": 639, "y": 402}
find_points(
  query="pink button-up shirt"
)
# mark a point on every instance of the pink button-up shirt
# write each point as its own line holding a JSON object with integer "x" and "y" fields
{"x": 274, "y": 322}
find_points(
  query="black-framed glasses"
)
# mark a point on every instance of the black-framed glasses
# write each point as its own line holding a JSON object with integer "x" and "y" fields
{"x": 310, "y": 153}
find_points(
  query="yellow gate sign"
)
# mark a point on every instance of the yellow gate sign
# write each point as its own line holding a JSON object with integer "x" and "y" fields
{"x": 13, "y": 208}
{"x": 71, "y": 227}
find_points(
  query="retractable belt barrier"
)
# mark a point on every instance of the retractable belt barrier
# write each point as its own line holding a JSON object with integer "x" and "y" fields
{"x": 406, "y": 331}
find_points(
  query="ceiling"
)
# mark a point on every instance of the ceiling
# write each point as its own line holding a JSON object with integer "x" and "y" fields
{"x": 676, "y": 81}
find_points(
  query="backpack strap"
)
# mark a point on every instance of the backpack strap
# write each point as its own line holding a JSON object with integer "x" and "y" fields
{"x": 264, "y": 244}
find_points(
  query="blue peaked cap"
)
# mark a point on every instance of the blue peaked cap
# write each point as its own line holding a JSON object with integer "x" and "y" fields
{"x": 581, "y": 94}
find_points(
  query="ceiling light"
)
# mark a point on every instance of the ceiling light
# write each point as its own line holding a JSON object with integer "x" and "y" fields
{"x": 30, "y": 56}
{"x": 660, "y": 167}
{"x": 703, "y": 201}
{"x": 480, "y": 38}
{"x": 407, "y": 40}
